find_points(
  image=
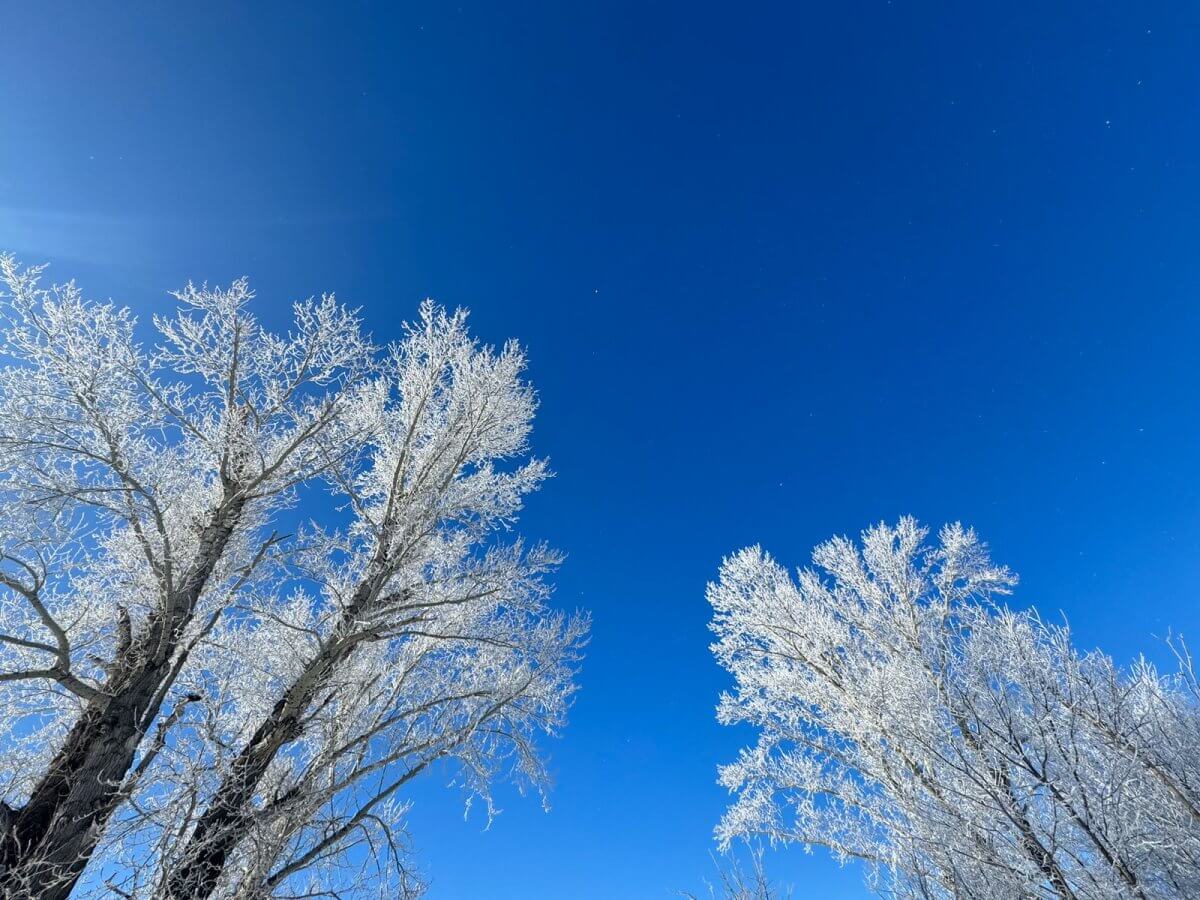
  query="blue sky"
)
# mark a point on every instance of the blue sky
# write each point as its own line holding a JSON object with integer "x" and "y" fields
{"x": 783, "y": 270}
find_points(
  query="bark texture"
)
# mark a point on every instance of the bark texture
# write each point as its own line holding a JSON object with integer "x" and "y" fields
{"x": 47, "y": 843}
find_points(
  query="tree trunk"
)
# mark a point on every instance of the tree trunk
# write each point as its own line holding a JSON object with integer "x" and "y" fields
{"x": 51, "y": 838}
{"x": 48, "y": 842}
{"x": 224, "y": 823}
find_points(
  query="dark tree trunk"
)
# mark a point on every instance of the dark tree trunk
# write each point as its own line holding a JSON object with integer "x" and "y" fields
{"x": 51, "y": 838}
{"x": 224, "y": 823}
{"x": 46, "y": 844}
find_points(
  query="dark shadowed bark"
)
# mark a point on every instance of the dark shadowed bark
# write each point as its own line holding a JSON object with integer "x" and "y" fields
{"x": 225, "y": 822}
{"x": 48, "y": 842}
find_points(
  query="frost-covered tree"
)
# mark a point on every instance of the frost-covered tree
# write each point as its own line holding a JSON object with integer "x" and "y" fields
{"x": 422, "y": 641}
{"x": 907, "y": 719}
{"x": 736, "y": 881}
{"x": 218, "y": 706}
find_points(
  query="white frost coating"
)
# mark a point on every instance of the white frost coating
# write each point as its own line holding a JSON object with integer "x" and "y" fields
{"x": 400, "y": 629}
{"x": 960, "y": 749}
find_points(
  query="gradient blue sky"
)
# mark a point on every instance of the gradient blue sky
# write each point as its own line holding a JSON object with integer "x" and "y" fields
{"x": 782, "y": 271}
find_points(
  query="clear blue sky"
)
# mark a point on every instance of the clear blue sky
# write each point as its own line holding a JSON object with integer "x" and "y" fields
{"x": 782, "y": 271}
